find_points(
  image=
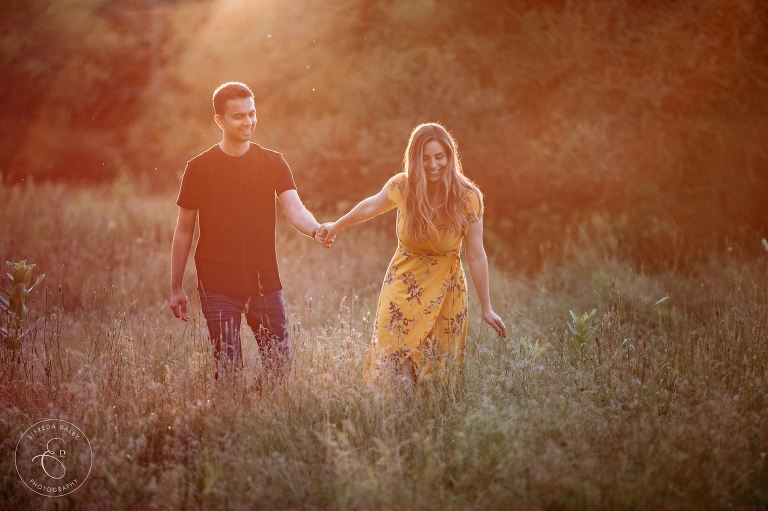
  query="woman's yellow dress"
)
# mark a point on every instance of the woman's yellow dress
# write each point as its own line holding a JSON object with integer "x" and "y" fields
{"x": 422, "y": 311}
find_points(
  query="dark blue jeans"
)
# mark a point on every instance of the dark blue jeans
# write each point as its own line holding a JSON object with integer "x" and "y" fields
{"x": 265, "y": 315}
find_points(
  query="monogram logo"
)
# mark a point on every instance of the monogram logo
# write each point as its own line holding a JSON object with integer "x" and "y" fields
{"x": 53, "y": 457}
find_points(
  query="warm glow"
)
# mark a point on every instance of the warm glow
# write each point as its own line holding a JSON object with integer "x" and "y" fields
{"x": 620, "y": 148}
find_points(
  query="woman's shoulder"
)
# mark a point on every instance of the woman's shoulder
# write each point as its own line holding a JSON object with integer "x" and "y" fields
{"x": 397, "y": 181}
{"x": 396, "y": 188}
{"x": 473, "y": 198}
{"x": 471, "y": 193}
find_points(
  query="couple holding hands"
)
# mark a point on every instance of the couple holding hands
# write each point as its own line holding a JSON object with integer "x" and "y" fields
{"x": 420, "y": 328}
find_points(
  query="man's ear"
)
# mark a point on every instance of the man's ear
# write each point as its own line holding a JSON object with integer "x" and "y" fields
{"x": 219, "y": 120}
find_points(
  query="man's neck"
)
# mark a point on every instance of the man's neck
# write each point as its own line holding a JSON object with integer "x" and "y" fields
{"x": 234, "y": 148}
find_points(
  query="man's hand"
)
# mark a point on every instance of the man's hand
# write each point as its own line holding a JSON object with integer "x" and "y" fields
{"x": 330, "y": 230}
{"x": 179, "y": 304}
{"x": 322, "y": 236}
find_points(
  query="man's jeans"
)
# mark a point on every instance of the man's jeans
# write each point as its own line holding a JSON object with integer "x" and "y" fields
{"x": 265, "y": 315}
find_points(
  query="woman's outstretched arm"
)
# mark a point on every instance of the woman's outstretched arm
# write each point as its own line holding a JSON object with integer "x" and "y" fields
{"x": 478, "y": 268}
{"x": 366, "y": 209}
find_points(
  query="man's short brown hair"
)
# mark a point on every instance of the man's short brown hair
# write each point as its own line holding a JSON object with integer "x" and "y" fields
{"x": 227, "y": 91}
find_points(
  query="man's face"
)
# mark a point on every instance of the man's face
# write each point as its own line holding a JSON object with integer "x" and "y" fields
{"x": 239, "y": 119}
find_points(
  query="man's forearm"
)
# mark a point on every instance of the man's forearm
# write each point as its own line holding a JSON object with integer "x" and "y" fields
{"x": 182, "y": 243}
{"x": 303, "y": 221}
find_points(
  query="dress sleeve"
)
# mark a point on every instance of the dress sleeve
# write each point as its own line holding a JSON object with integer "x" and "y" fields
{"x": 189, "y": 192}
{"x": 475, "y": 211}
{"x": 396, "y": 189}
{"x": 283, "y": 175}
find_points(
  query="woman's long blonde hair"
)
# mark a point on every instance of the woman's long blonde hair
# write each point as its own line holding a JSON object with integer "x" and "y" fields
{"x": 451, "y": 206}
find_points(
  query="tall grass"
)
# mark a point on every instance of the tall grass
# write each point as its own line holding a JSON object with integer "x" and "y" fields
{"x": 662, "y": 405}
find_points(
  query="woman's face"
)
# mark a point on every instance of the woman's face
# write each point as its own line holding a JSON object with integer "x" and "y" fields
{"x": 435, "y": 160}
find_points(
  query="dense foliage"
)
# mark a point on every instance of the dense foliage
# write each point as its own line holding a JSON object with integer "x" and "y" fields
{"x": 650, "y": 115}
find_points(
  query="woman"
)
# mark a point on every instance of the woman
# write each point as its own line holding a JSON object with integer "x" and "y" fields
{"x": 421, "y": 315}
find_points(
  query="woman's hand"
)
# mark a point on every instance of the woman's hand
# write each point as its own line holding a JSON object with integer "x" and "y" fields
{"x": 331, "y": 229}
{"x": 496, "y": 323}
{"x": 326, "y": 233}
{"x": 321, "y": 236}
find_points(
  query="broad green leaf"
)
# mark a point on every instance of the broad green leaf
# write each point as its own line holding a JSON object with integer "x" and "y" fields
{"x": 37, "y": 281}
{"x": 28, "y": 275}
{"x": 17, "y": 302}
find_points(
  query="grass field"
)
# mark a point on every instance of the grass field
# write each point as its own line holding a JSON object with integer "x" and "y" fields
{"x": 664, "y": 406}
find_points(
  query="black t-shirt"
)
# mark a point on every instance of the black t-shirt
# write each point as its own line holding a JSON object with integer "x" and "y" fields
{"x": 235, "y": 199}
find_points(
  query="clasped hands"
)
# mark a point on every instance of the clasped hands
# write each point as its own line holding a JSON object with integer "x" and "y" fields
{"x": 326, "y": 234}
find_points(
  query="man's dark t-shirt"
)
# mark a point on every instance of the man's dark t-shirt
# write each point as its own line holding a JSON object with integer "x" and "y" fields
{"x": 235, "y": 199}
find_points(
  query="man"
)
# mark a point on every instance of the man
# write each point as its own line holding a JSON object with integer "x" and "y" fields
{"x": 231, "y": 187}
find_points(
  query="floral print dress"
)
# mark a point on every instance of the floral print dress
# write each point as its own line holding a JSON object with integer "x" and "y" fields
{"x": 422, "y": 309}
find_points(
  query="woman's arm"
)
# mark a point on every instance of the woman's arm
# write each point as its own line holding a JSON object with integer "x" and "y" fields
{"x": 366, "y": 209}
{"x": 478, "y": 269}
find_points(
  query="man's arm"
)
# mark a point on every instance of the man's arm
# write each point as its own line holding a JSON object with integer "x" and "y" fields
{"x": 298, "y": 215}
{"x": 182, "y": 242}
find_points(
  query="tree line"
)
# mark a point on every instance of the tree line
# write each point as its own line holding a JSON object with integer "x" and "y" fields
{"x": 642, "y": 122}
